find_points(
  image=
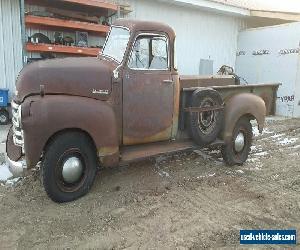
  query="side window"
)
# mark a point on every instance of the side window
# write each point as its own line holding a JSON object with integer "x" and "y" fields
{"x": 140, "y": 55}
{"x": 149, "y": 53}
{"x": 159, "y": 53}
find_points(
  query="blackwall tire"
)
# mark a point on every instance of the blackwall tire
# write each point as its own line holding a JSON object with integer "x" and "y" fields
{"x": 69, "y": 166}
{"x": 233, "y": 152}
{"x": 205, "y": 127}
{"x": 4, "y": 117}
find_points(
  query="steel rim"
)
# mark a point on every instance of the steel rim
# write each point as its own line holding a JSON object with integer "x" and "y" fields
{"x": 239, "y": 142}
{"x": 206, "y": 120}
{"x": 71, "y": 170}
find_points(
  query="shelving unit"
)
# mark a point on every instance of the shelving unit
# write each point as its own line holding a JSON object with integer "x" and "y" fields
{"x": 62, "y": 49}
{"x": 68, "y": 24}
{"x": 40, "y": 22}
{"x": 91, "y": 6}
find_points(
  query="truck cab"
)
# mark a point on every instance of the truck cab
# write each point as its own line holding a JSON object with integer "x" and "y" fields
{"x": 75, "y": 115}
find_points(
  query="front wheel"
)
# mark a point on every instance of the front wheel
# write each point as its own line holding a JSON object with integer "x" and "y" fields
{"x": 69, "y": 166}
{"x": 237, "y": 150}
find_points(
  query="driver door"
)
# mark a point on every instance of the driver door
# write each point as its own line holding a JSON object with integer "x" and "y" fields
{"x": 148, "y": 91}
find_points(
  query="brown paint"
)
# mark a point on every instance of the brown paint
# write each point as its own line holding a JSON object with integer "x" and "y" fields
{"x": 138, "y": 108}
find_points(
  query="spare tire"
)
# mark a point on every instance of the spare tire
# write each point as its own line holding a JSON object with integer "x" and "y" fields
{"x": 205, "y": 127}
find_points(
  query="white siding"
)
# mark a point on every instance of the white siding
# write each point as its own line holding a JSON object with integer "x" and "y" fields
{"x": 10, "y": 44}
{"x": 200, "y": 34}
{"x": 280, "y": 65}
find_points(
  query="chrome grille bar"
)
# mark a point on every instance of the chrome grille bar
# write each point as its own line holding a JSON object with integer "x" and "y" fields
{"x": 18, "y": 132}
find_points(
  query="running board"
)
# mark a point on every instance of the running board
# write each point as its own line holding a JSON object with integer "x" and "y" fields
{"x": 140, "y": 152}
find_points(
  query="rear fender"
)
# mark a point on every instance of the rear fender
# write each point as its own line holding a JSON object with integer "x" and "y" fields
{"x": 42, "y": 118}
{"x": 240, "y": 105}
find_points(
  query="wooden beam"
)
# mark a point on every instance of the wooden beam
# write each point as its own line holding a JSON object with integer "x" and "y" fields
{"x": 94, "y": 3}
{"x": 62, "y": 49}
{"x": 65, "y": 24}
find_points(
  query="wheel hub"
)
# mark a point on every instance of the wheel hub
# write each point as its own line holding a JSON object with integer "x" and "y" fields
{"x": 239, "y": 142}
{"x": 72, "y": 170}
{"x": 206, "y": 119}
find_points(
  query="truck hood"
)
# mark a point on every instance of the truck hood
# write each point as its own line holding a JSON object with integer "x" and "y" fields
{"x": 85, "y": 76}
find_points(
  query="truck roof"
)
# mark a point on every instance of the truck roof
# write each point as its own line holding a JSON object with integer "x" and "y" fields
{"x": 147, "y": 26}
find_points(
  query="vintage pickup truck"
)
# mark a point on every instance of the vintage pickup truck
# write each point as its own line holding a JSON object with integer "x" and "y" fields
{"x": 130, "y": 103}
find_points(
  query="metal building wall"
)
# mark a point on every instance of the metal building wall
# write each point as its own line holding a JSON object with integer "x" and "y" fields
{"x": 200, "y": 34}
{"x": 10, "y": 43}
{"x": 272, "y": 55}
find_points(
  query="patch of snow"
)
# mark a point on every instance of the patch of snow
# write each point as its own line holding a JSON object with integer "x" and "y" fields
{"x": 5, "y": 174}
{"x": 261, "y": 153}
{"x": 296, "y": 147}
{"x": 12, "y": 182}
{"x": 287, "y": 141}
{"x": 163, "y": 173}
{"x": 255, "y": 131}
{"x": 205, "y": 176}
{"x": 255, "y": 149}
{"x": 240, "y": 171}
{"x": 277, "y": 136}
{"x": 251, "y": 160}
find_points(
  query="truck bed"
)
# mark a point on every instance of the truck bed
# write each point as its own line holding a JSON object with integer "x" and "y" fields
{"x": 228, "y": 86}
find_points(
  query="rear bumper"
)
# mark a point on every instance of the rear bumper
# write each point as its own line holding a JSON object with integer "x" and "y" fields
{"x": 17, "y": 168}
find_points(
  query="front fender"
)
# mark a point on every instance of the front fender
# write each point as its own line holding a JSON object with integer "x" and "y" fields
{"x": 42, "y": 117}
{"x": 243, "y": 104}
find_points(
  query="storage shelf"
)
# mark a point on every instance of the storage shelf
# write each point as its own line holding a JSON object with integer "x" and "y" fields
{"x": 62, "y": 49}
{"x": 91, "y": 6}
{"x": 94, "y": 3}
{"x": 36, "y": 21}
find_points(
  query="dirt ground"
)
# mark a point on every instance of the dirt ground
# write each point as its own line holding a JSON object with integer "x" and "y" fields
{"x": 185, "y": 201}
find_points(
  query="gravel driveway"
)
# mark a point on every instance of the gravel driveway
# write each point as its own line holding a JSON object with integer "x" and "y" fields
{"x": 185, "y": 201}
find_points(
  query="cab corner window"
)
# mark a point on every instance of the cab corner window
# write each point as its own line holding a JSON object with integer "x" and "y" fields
{"x": 149, "y": 53}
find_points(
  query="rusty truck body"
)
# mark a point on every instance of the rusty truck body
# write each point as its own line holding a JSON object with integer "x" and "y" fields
{"x": 76, "y": 114}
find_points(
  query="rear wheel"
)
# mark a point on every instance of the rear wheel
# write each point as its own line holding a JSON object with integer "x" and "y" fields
{"x": 69, "y": 166}
{"x": 237, "y": 150}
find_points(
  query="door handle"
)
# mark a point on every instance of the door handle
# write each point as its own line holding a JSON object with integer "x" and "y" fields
{"x": 168, "y": 81}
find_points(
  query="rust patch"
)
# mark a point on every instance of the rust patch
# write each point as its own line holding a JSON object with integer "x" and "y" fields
{"x": 155, "y": 138}
{"x": 105, "y": 151}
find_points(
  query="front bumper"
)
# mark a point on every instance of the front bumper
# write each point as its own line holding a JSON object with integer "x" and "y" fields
{"x": 17, "y": 168}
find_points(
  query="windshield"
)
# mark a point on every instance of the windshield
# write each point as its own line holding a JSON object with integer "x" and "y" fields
{"x": 116, "y": 43}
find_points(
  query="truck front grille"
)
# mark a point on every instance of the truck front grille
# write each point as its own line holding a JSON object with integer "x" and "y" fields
{"x": 16, "y": 120}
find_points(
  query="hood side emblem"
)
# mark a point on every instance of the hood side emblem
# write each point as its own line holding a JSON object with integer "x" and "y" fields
{"x": 100, "y": 92}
